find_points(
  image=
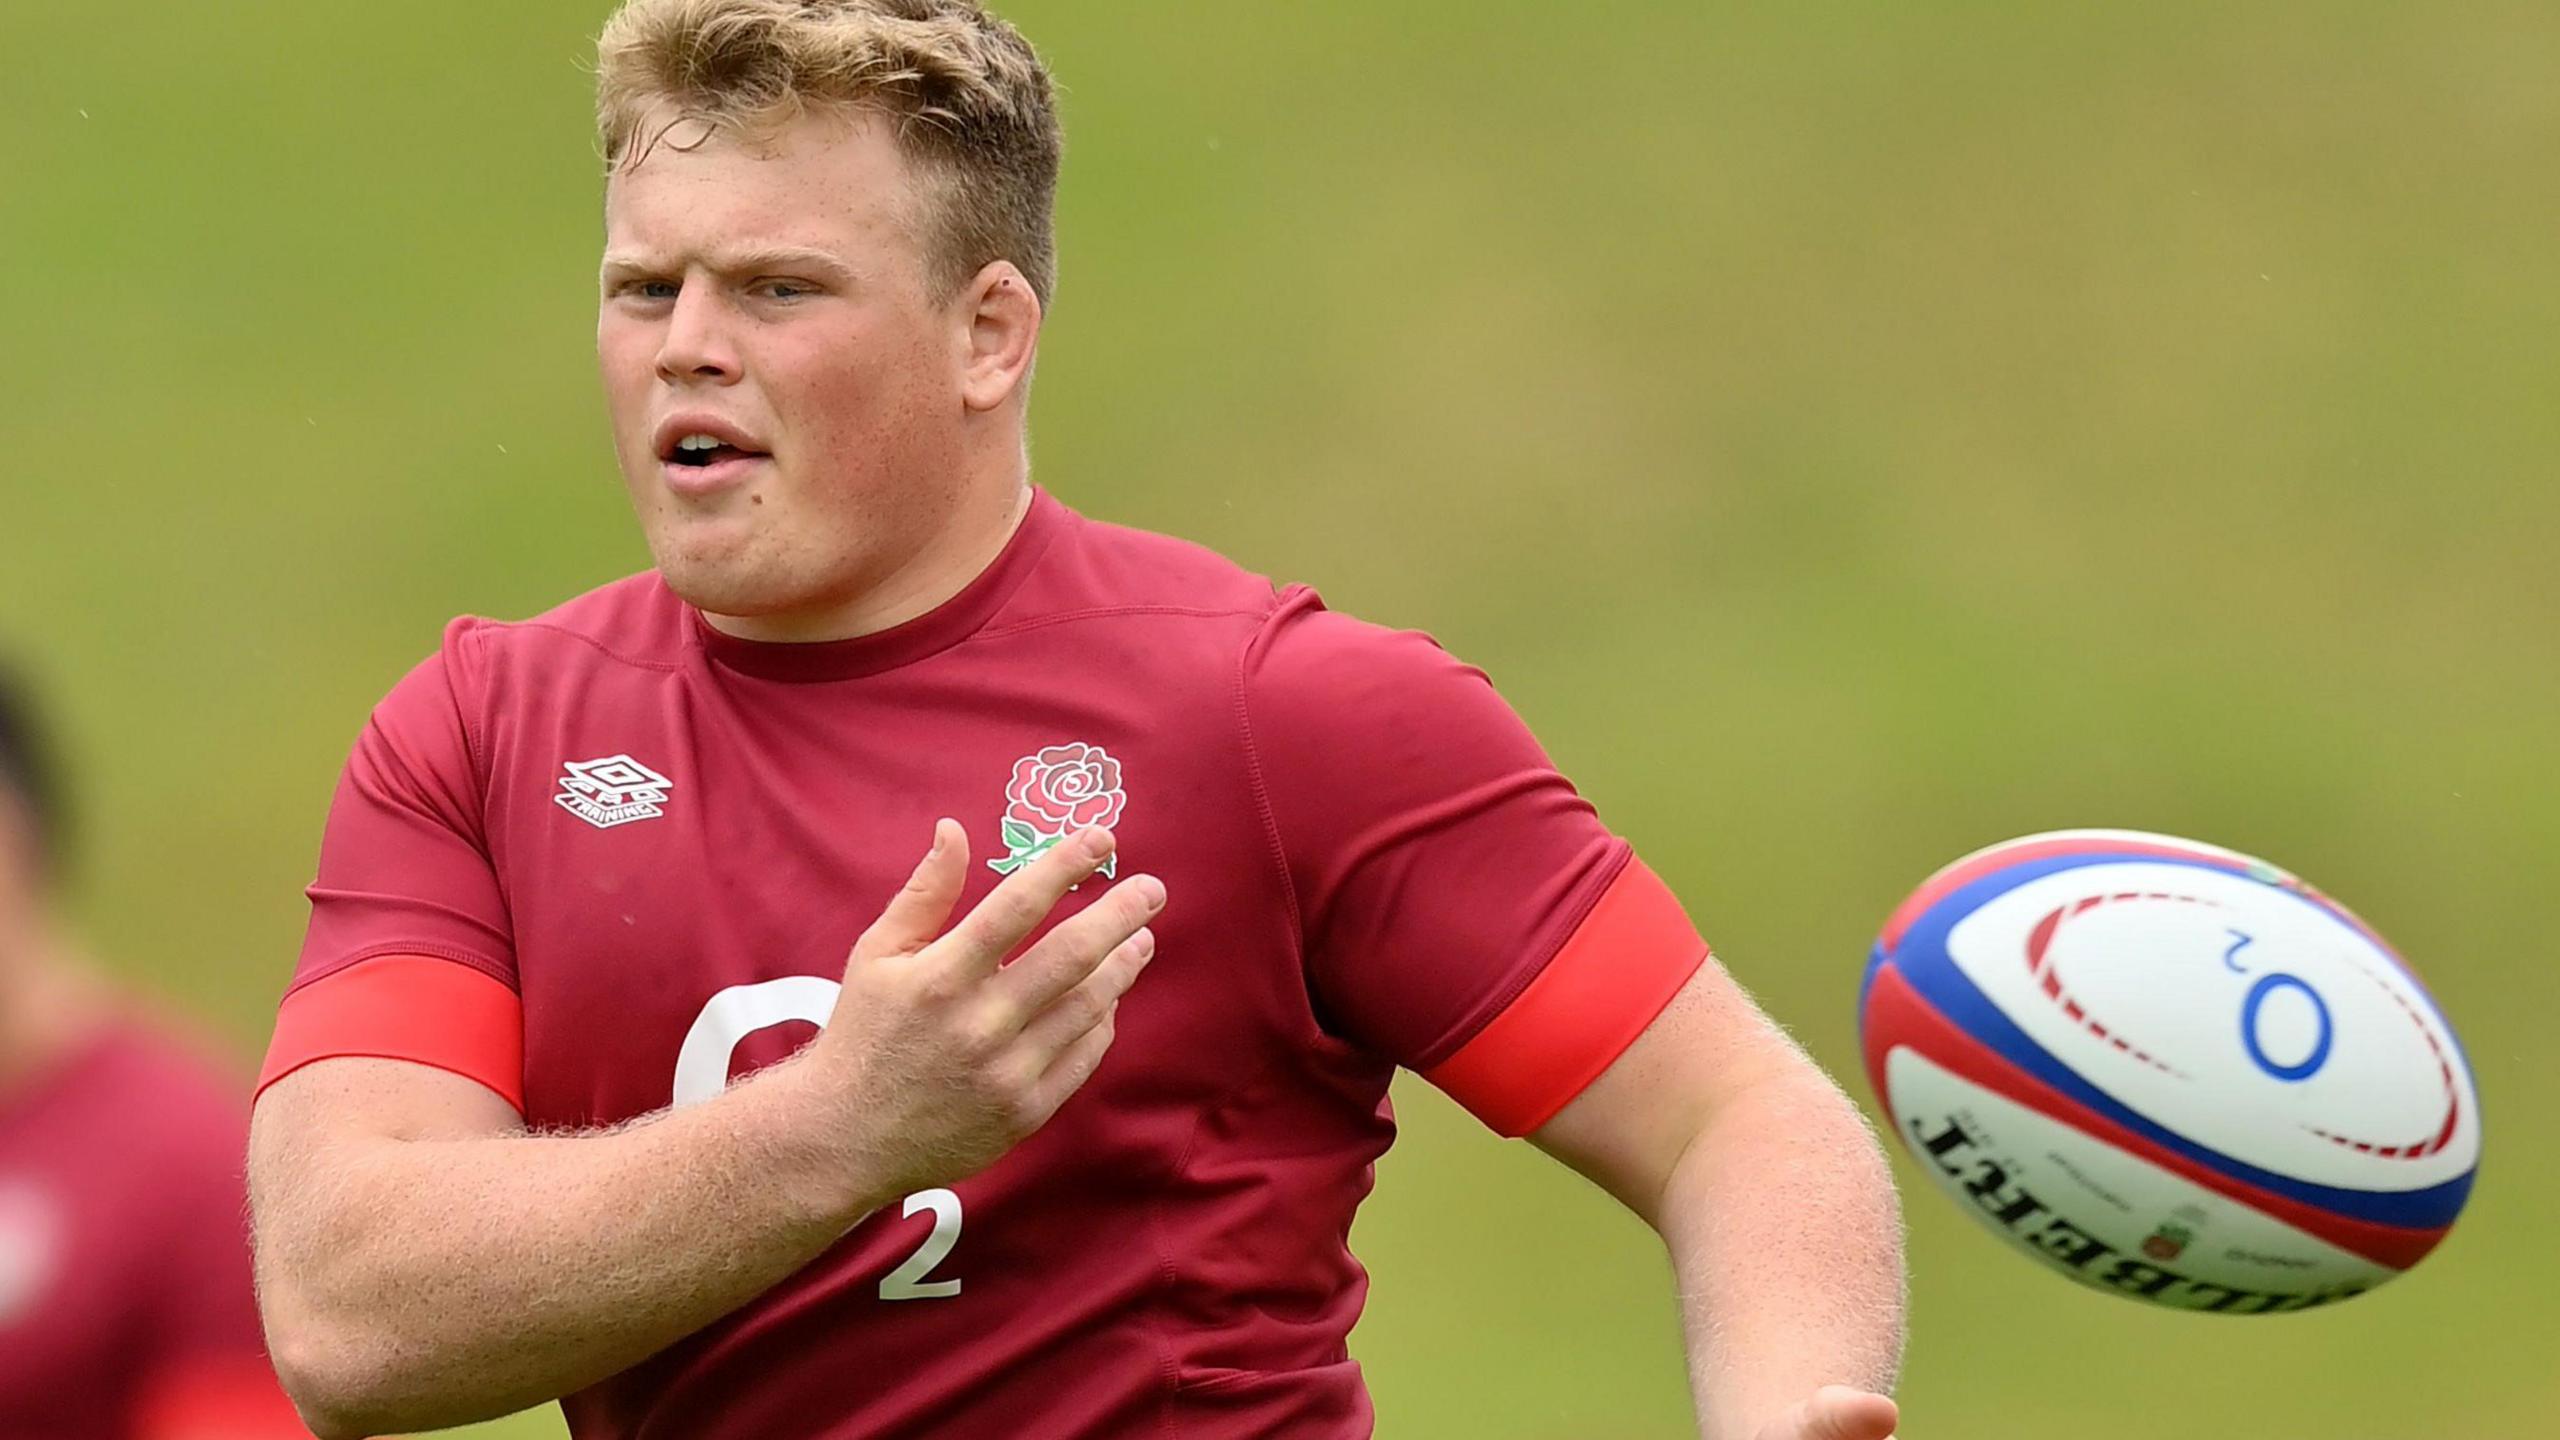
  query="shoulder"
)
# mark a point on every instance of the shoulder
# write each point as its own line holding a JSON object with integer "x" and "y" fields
{"x": 170, "y": 1102}
{"x": 1315, "y": 678}
{"x": 1097, "y": 570}
{"x": 1306, "y": 654}
{"x": 431, "y": 733}
{"x": 1347, "y": 716}
{"x": 1300, "y": 664}
{"x": 1176, "y": 610}
{"x": 634, "y": 623}
{"x": 1282, "y": 634}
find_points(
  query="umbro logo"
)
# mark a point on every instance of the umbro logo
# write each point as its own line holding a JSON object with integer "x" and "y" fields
{"x": 615, "y": 790}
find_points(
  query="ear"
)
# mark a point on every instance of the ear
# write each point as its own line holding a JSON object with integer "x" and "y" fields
{"x": 1003, "y": 317}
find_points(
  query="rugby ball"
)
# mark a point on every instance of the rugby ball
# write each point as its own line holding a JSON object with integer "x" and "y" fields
{"x": 2169, "y": 1071}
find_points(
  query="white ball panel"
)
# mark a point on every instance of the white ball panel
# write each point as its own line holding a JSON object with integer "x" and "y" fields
{"x": 2201, "y": 999}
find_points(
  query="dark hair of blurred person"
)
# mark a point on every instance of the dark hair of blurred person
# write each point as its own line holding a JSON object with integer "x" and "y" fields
{"x": 125, "y": 1303}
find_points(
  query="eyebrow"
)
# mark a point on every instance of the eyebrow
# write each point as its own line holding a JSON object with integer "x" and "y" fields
{"x": 739, "y": 262}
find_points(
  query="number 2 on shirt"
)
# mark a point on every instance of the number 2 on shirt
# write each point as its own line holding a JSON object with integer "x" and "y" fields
{"x": 702, "y": 1071}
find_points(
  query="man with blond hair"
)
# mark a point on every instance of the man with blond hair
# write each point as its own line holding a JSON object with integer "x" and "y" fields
{"x": 576, "y": 1092}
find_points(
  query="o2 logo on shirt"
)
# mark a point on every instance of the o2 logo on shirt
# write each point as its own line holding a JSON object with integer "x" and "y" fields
{"x": 30, "y": 1246}
{"x": 702, "y": 1072}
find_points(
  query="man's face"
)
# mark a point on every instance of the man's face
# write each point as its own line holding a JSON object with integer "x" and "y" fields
{"x": 771, "y": 294}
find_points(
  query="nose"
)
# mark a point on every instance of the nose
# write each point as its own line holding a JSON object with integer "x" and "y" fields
{"x": 696, "y": 347}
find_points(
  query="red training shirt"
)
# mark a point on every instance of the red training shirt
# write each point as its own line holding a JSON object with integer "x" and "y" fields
{"x": 607, "y": 859}
{"x": 125, "y": 1303}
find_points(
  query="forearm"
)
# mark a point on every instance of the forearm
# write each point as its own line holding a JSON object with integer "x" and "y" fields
{"x": 416, "y": 1283}
{"x": 1787, "y": 1243}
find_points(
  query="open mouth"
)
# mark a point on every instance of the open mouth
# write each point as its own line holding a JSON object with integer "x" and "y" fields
{"x": 700, "y": 452}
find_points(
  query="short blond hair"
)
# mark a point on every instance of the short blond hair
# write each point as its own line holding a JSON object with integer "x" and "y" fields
{"x": 974, "y": 110}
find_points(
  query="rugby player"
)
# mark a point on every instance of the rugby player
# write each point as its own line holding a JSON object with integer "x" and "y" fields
{"x": 576, "y": 1092}
{"x": 125, "y": 1311}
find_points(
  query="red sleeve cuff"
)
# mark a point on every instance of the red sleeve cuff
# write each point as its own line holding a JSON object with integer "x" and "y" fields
{"x": 1630, "y": 956}
{"x": 405, "y": 1007}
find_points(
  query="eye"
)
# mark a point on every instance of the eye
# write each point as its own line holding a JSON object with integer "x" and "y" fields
{"x": 784, "y": 290}
{"x": 640, "y": 289}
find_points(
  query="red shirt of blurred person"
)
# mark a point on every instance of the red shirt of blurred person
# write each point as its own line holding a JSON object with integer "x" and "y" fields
{"x": 125, "y": 1304}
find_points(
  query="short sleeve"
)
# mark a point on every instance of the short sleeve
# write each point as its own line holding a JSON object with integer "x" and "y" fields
{"x": 404, "y": 864}
{"x": 408, "y": 954}
{"x": 1463, "y": 910}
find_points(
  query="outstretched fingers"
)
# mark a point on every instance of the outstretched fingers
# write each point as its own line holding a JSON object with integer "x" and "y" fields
{"x": 1074, "y": 1066}
{"x": 996, "y": 925}
{"x": 917, "y": 913}
{"x": 1069, "y": 955}
{"x": 1055, "y": 1026}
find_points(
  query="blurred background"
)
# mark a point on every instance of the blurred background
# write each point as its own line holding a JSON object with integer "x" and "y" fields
{"x": 1850, "y": 434}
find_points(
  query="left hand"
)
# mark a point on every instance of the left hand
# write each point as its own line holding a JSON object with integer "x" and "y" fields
{"x": 1835, "y": 1412}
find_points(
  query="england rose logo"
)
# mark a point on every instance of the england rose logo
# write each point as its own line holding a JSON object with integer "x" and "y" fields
{"x": 1054, "y": 794}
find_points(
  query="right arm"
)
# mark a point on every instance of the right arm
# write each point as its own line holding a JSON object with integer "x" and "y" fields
{"x": 425, "y": 1261}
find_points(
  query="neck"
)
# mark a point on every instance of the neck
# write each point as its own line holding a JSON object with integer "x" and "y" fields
{"x": 961, "y": 552}
{"x": 50, "y": 1003}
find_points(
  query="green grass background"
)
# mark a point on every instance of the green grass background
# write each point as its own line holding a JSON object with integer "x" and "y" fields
{"x": 1851, "y": 434}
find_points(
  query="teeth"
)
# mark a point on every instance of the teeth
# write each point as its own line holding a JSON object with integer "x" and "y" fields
{"x": 699, "y": 442}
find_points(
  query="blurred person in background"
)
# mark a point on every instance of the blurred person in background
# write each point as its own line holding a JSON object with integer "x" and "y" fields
{"x": 585, "y": 871}
{"x": 125, "y": 1305}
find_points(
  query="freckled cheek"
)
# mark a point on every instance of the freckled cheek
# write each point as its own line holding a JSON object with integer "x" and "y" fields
{"x": 625, "y": 352}
{"x": 843, "y": 411}
{"x": 626, "y": 365}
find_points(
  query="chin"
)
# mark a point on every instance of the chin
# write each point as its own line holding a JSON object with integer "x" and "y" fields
{"x": 739, "y": 581}
{"x": 721, "y": 573}
{"x": 723, "y": 590}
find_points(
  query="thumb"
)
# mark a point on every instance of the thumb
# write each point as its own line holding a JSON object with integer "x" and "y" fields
{"x": 922, "y": 907}
{"x": 1837, "y": 1412}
